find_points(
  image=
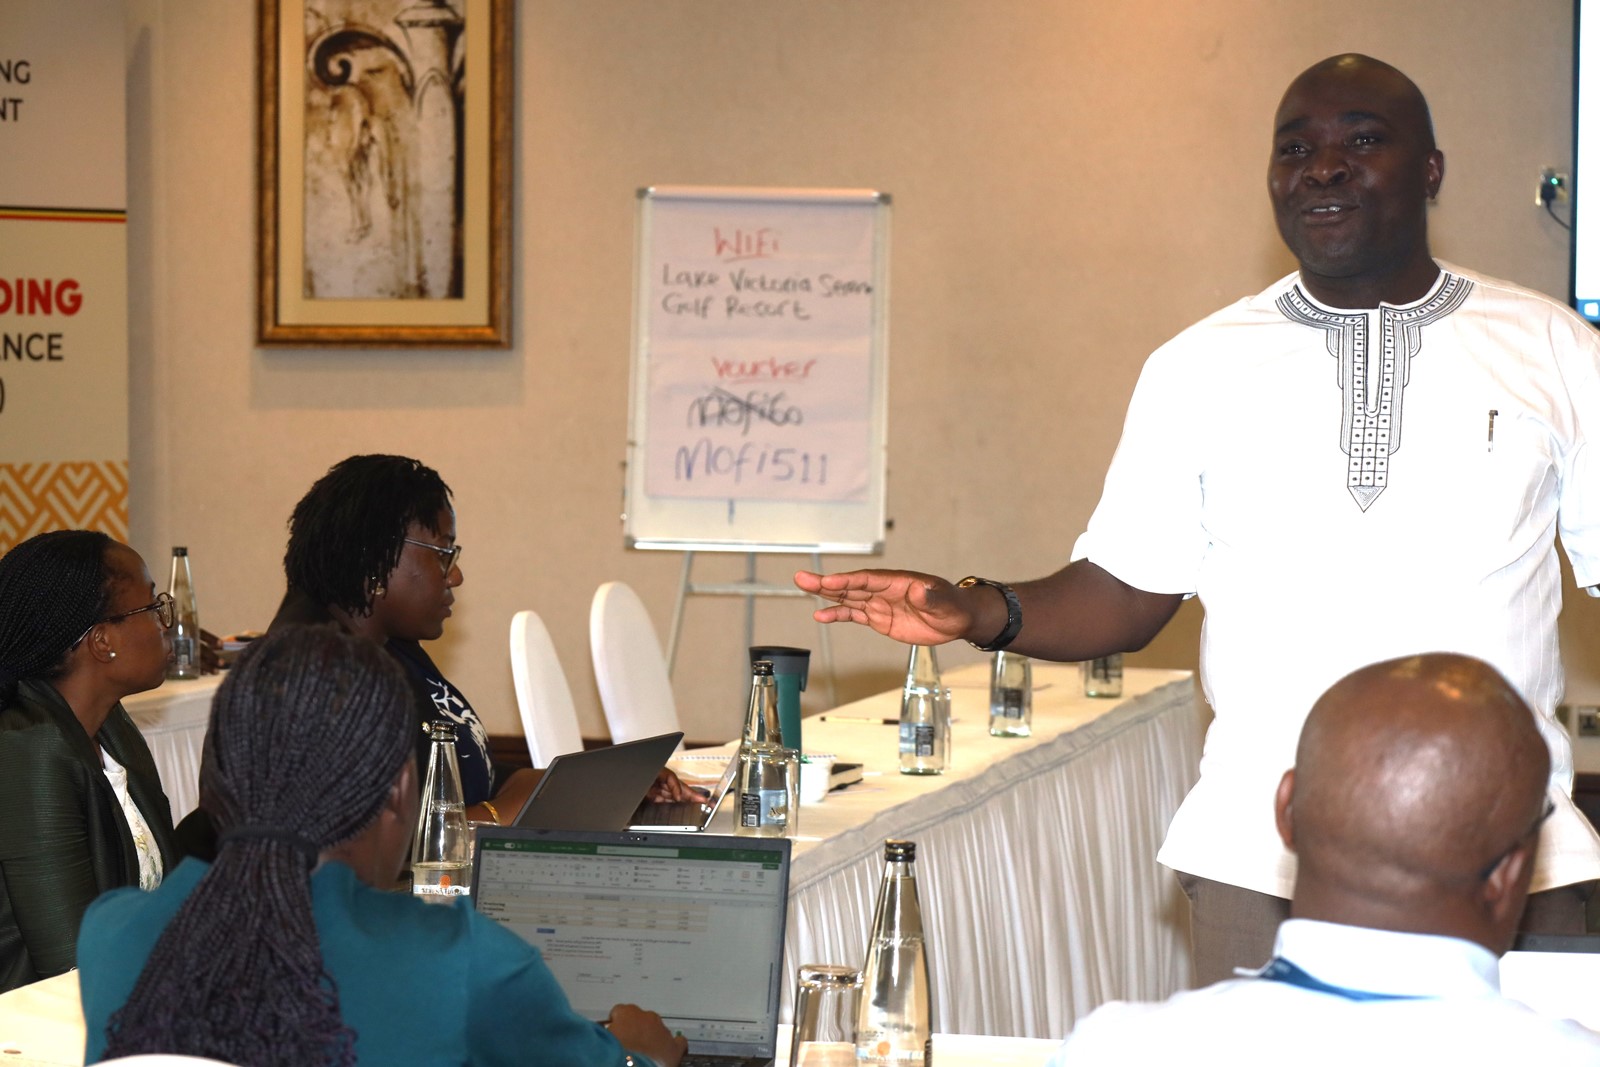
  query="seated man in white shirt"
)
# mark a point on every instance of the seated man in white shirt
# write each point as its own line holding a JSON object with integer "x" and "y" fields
{"x": 1413, "y": 809}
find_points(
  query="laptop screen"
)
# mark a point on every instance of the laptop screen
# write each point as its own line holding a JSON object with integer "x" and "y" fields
{"x": 690, "y": 928}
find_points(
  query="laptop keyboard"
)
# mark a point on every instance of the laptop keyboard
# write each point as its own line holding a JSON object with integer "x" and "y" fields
{"x": 692, "y": 1060}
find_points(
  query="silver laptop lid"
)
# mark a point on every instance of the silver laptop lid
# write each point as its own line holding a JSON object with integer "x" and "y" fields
{"x": 690, "y": 927}
{"x": 596, "y": 789}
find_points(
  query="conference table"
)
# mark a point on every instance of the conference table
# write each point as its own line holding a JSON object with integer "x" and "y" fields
{"x": 41, "y": 1025}
{"x": 1035, "y": 856}
{"x": 1036, "y": 869}
{"x": 1036, "y": 865}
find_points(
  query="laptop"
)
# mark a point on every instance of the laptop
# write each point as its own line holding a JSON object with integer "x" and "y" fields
{"x": 690, "y": 816}
{"x": 688, "y": 927}
{"x": 597, "y": 789}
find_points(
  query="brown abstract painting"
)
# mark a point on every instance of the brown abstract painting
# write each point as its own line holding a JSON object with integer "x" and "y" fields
{"x": 385, "y": 196}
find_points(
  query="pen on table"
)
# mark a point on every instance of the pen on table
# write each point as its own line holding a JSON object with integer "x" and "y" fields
{"x": 871, "y": 720}
{"x": 1492, "y": 413}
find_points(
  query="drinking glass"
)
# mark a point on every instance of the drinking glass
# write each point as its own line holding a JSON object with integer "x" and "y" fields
{"x": 825, "y": 1016}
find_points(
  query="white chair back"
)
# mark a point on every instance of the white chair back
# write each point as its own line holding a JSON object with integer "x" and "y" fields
{"x": 629, "y": 668}
{"x": 549, "y": 719}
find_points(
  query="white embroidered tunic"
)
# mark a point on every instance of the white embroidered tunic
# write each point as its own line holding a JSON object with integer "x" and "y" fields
{"x": 1340, "y": 488}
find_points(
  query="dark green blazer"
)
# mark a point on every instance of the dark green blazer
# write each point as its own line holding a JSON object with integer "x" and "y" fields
{"x": 63, "y": 837}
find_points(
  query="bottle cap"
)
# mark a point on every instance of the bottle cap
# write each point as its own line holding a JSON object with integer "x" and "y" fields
{"x": 899, "y": 850}
{"x": 442, "y": 730}
{"x": 762, "y": 668}
{"x": 179, "y": 550}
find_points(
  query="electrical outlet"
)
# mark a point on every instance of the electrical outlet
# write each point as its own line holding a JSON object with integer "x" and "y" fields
{"x": 1552, "y": 186}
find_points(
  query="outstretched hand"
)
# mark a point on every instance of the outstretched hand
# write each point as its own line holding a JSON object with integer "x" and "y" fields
{"x": 914, "y": 608}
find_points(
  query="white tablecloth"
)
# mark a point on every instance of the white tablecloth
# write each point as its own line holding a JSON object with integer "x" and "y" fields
{"x": 173, "y": 721}
{"x": 1036, "y": 864}
{"x": 42, "y": 1026}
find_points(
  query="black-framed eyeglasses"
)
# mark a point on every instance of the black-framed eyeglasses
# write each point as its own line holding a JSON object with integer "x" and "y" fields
{"x": 1549, "y": 810}
{"x": 162, "y": 605}
{"x": 447, "y": 555}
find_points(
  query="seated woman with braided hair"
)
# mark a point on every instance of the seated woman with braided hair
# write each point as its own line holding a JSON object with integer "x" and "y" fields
{"x": 81, "y": 806}
{"x": 282, "y": 951}
{"x": 372, "y": 547}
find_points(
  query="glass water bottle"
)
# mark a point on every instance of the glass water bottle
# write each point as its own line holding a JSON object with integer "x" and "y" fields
{"x": 1102, "y": 677}
{"x": 441, "y": 854}
{"x": 1011, "y": 696}
{"x": 185, "y": 662}
{"x": 924, "y": 716}
{"x": 894, "y": 1021}
{"x": 767, "y": 797}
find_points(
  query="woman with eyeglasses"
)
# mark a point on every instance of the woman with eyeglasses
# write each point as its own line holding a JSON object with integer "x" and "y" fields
{"x": 372, "y": 546}
{"x": 81, "y": 806}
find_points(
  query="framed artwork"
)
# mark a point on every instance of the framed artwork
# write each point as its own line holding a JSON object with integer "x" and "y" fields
{"x": 384, "y": 183}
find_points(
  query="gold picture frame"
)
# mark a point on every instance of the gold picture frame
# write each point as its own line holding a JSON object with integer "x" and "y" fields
{"x": 384, "y": 173}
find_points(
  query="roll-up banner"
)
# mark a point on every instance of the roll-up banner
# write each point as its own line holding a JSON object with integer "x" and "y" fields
{"x": 63, "y": 268}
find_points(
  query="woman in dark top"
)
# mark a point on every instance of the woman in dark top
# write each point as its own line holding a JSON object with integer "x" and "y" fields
{"x": 81, "y": 806}
{"x": 372, "y": 546}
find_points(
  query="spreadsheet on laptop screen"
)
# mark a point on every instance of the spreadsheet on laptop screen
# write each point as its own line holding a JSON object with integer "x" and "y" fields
{"x": 692, "y": 933}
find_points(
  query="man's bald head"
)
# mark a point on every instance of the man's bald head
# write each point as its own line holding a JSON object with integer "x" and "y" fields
{"x": 1404, "y": 97}
{"x": 1415, "y": 781}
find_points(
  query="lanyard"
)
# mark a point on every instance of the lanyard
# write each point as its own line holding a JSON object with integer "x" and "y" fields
{"x": 1279, "y": 969}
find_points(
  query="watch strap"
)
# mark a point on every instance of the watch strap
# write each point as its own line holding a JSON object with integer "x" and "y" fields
{"x": 1013, "y": 613}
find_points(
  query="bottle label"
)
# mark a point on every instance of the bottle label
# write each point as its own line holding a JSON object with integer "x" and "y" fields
{"x": 922, "y": 739}
{"x": 764, "y": 807}
{"x": 891, "y": 1047}
{"x": 440, "y": 883}
{"x": 1106, "y": 669}
{"x": 1011, "y": 703}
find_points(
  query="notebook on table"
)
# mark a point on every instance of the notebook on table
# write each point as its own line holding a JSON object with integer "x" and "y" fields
{"x": 688, "y": 927}
{"x": 597, "y": 789}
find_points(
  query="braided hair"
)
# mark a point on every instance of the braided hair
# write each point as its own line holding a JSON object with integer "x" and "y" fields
{"x": 307, "y": 734}
{"x": 346, "y": 533}
{"x": 53, "y": 587}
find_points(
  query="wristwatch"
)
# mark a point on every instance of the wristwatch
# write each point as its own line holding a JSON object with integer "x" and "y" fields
{"x": 1013, "y": 613}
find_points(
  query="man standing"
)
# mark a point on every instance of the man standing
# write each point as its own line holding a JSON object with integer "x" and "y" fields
{"x": 1414, "y": 806}
{"x": 1370, "y": 458}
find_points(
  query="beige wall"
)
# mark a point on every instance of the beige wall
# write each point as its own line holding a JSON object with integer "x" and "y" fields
{"x": 1073, "y": 182}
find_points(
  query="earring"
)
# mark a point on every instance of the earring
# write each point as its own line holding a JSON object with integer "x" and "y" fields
{"x": 375, "y": 587}
{"x": 113, "y": 654}
{"x": 379, "y": 590}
